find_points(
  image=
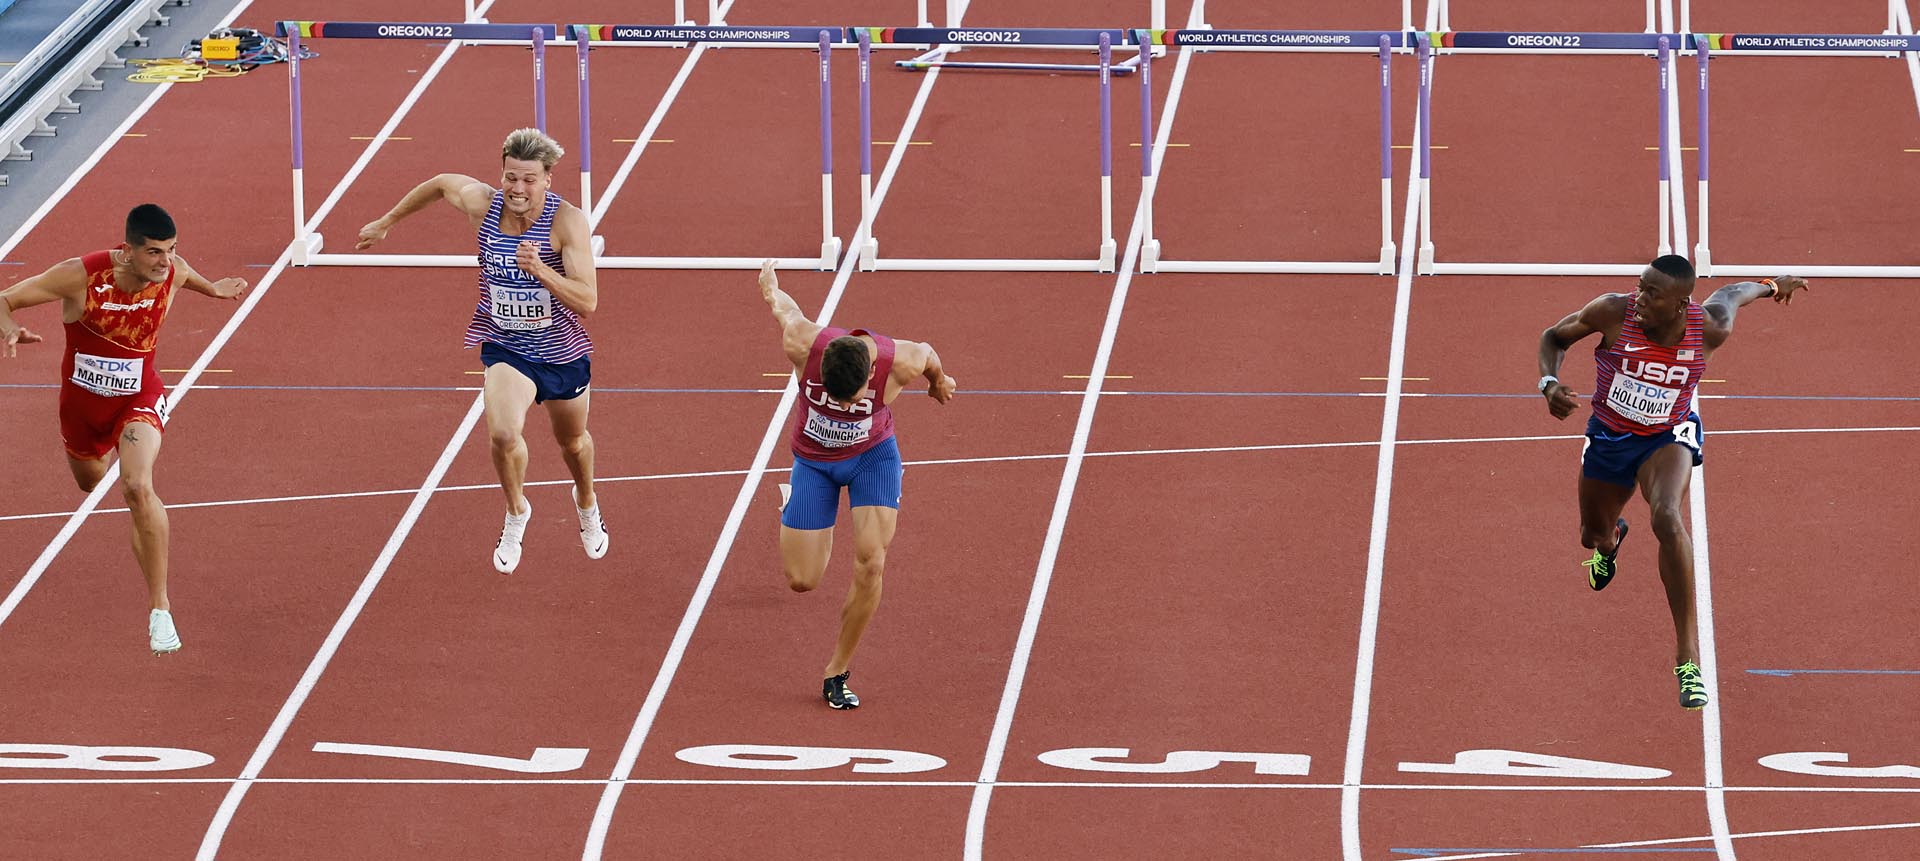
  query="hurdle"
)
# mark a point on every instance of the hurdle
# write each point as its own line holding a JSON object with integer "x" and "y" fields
{"x": 306, "y": 246}
{"x": 1670, "y": 201}
{"x": 1440, "y": 11}
{"x": 936, "y": 55}
{"x": 821, "y": 39}
{"x": 1711, "y": 45}
{"x": 1383, "y": 42}
{"x": 1102, "y": 40}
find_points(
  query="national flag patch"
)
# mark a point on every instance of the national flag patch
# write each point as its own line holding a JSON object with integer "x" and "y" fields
{"x": 1684, "y": 355}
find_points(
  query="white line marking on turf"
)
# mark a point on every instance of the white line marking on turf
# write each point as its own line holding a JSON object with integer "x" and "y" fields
{"x": 1354, "y": 768}
{"x": 1070, "y": 477}
{"x": 776, "y": 427}
{"x": 950, "y": 461}
{"x": 210, "y": 844}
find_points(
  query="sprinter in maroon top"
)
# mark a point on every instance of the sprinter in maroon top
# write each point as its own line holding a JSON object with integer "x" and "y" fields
{"x": 1645, "y": 431}
{"x": 843, "y": 437}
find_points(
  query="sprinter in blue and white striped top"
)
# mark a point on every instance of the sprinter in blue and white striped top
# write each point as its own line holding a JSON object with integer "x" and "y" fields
{"x": 537, "y": 282}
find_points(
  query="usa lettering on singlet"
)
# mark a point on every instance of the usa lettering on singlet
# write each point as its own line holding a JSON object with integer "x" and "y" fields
{"x": 516, "y": 311}
{"x": 828, "y": 431}
{"x": 1646, "y": 387}
{"x": 110, "y": 347}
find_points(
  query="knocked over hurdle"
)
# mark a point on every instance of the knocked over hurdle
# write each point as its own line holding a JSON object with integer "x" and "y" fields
{"x": 1284, "y": 41}
{"x": 1104, "y": 40}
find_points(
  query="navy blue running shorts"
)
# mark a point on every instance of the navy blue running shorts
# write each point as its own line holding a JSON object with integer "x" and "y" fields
{"x": 562, "y": 382}
{"x": 1615, "y": 458}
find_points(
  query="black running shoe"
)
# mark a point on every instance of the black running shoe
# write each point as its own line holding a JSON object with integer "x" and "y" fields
{"x": 1600, "y": 567}
{"x": 834, "y": 690}
{"x": 1693, "y": 692}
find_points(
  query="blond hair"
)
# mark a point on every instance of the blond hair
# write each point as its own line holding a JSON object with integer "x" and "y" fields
{"x": 532, "y": 145}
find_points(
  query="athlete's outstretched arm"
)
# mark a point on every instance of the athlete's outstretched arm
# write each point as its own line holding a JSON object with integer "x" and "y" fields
{"x": 465, "y": 193}
{"x": 939, "y": 386}
{"x": 796, "y": 331}
{"x": 1726, "y": 301}
{"x": 225, "y": 288}
{"x": 1603, "y": 314}
{"x": 63, "y": 282}
{"x": 579, "y": 289}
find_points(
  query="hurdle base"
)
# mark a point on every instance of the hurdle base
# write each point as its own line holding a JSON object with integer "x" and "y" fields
{"x": 869, "y": 253}
{"x": 830, "y": 254}
{"x": 1702, "y": 261}
{"x": 1150, "y": 255}
{"x": 599, "y": 244}
{"x": 1425, "y": 265}
{"x": 303, "y": 249}
{"x": 1387, "y": 258}
{"x": 1109, "y": 251}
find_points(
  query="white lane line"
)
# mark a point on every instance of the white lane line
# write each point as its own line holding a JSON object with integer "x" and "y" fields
{"x": 1382, "y": 506}
{"x": 776, "y": 426}
{"x": 1069, "y": 479}
{"x": 949, "y": 461}
{"x": 210, "y": 843}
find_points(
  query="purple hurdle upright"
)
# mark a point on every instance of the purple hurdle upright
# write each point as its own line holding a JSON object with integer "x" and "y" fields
{"x": 1702, "y": 255}
{"x": 829, "y": 244}
{"x": 868, "y": 247}
{"x": 1424, "y": 120}
{"x": 1387, "y": 254}
{"x": 300, "y": 245}
{"x": 1108, "y": 248}
{"x": 1666, "y": 173}
{"x": 540, "y": 80}
{"x": 580, "y": 50}
{"x": 1149, "y": 246}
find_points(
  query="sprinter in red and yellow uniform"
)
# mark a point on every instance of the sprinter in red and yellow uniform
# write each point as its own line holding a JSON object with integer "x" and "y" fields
{"x": 113, "y": 303}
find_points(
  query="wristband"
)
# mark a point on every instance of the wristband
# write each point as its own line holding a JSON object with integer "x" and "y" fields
{"x": 1772, "y": 288}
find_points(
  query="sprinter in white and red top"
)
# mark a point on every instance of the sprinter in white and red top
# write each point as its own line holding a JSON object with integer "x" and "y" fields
{"x": 1644, "y": 431}
{"x": 537, "y": 283}
{"x": 843, "y": 437}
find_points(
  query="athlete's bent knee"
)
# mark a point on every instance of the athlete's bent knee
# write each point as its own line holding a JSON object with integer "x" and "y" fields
{"x": 1668, "y": 523}
{"x": 503, "y": 439}
{"x": 801, "y": 579}
{"x": 138, "y": 492}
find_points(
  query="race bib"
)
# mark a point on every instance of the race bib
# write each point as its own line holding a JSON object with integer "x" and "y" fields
{"x": 836, "y": 433}
{"x": 518, "y": 309}
{"x": 108, "y": 377}
{"x": 1640, "y": 401}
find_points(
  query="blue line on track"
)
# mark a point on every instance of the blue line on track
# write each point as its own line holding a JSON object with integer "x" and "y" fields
{"x": 1004, "y": 392}
{"x": 1531, "y": 850}
{"x": 1786, "y": 673}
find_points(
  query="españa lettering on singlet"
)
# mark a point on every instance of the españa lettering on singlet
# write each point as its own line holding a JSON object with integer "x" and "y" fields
{"x": 516, "y": 311}
{"x": 1642, "y": 387}
{"x": 110, "y": 347}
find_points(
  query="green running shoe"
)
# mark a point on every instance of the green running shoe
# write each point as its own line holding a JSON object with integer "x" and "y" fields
{"x": 1600, "y": 567}
{"x": 1693, "y": 692}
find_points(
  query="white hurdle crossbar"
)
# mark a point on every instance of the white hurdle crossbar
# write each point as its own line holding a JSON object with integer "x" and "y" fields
{"x": 1382, "y": 41}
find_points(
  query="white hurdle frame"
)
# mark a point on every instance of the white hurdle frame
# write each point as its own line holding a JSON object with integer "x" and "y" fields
{"x": 869, "y": 244}
{"x": 1900, "y": 41}
{"x": 1385, "y": 43}
{"x": 1670, "y": 202}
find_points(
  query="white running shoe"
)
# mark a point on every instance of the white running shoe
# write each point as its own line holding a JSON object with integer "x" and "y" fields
{"x": 593, "y": 531}
{"x": 161, "y": 635}
{"x": 506, "y": 554}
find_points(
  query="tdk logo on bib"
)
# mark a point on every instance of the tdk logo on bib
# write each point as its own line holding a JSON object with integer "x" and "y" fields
{"x": 108, "y": 376}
